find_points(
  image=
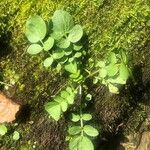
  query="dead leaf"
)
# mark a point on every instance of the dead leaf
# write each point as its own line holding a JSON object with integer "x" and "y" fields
{"x": 8, "y": 109}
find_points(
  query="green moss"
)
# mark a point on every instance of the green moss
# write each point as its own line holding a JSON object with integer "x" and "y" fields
{"x": 116, "y": 24}
{"x": 135, "y": 120}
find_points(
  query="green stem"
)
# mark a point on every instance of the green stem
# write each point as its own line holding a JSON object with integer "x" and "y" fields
{"x": 42, "y": 43}
{"x": 92, "y": 74}
{"x": 81, "y": 124}
{"x": 59, "y": 90}
{"x": 81, "y": 120}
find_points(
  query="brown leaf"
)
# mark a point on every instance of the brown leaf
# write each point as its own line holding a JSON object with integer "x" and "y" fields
{"x": 8, "y": 109}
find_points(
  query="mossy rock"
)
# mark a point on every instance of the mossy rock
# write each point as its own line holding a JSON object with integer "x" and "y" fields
{"x": 108, "y": 25}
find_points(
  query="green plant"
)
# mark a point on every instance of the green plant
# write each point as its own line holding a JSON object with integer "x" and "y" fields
{"x": 60, "y": 42}
{"x": 64, "y": 50}
{"x": 60, "y": 103}
{"x": 80, "y": 132}
{"x": 16, "y": 135}
{"x": 3, "y": 129}
{"x": 113, "y": 71}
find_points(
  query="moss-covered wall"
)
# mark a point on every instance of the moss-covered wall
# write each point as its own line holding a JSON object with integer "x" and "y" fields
{"x": 109, "y": 24}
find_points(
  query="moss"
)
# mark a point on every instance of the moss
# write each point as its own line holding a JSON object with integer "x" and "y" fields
{"x": 123, "y": 21}
{"x": 134, "y": 121}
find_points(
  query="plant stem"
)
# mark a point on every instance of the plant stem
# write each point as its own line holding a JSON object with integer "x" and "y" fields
{"x": 81, "y": 124}
{"x": 81, "y": 120}
{"x": 62, "y": 87}
{"x": 42, "y": 43}
{"x": 92, "y": 74}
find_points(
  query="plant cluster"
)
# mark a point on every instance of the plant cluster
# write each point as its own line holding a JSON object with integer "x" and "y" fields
{"x": 113, "y": 71}
{"x": 78, "y": 134}
{"x": 62, "y": 44}
{"x": 60, "y": 40}
{"x": 60, "y": 103}
{"x": 4, "y": 130}
{"x": 80, "y": 131}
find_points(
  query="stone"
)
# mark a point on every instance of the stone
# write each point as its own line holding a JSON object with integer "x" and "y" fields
{"x": 145, "y": 141}
{"x": 8, "y": 109}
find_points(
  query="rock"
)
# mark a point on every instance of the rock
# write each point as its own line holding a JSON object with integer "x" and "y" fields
{"x": 8, "y": 109}
{"x": 137, "y": 141}
{"x": 145, "y": 141}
